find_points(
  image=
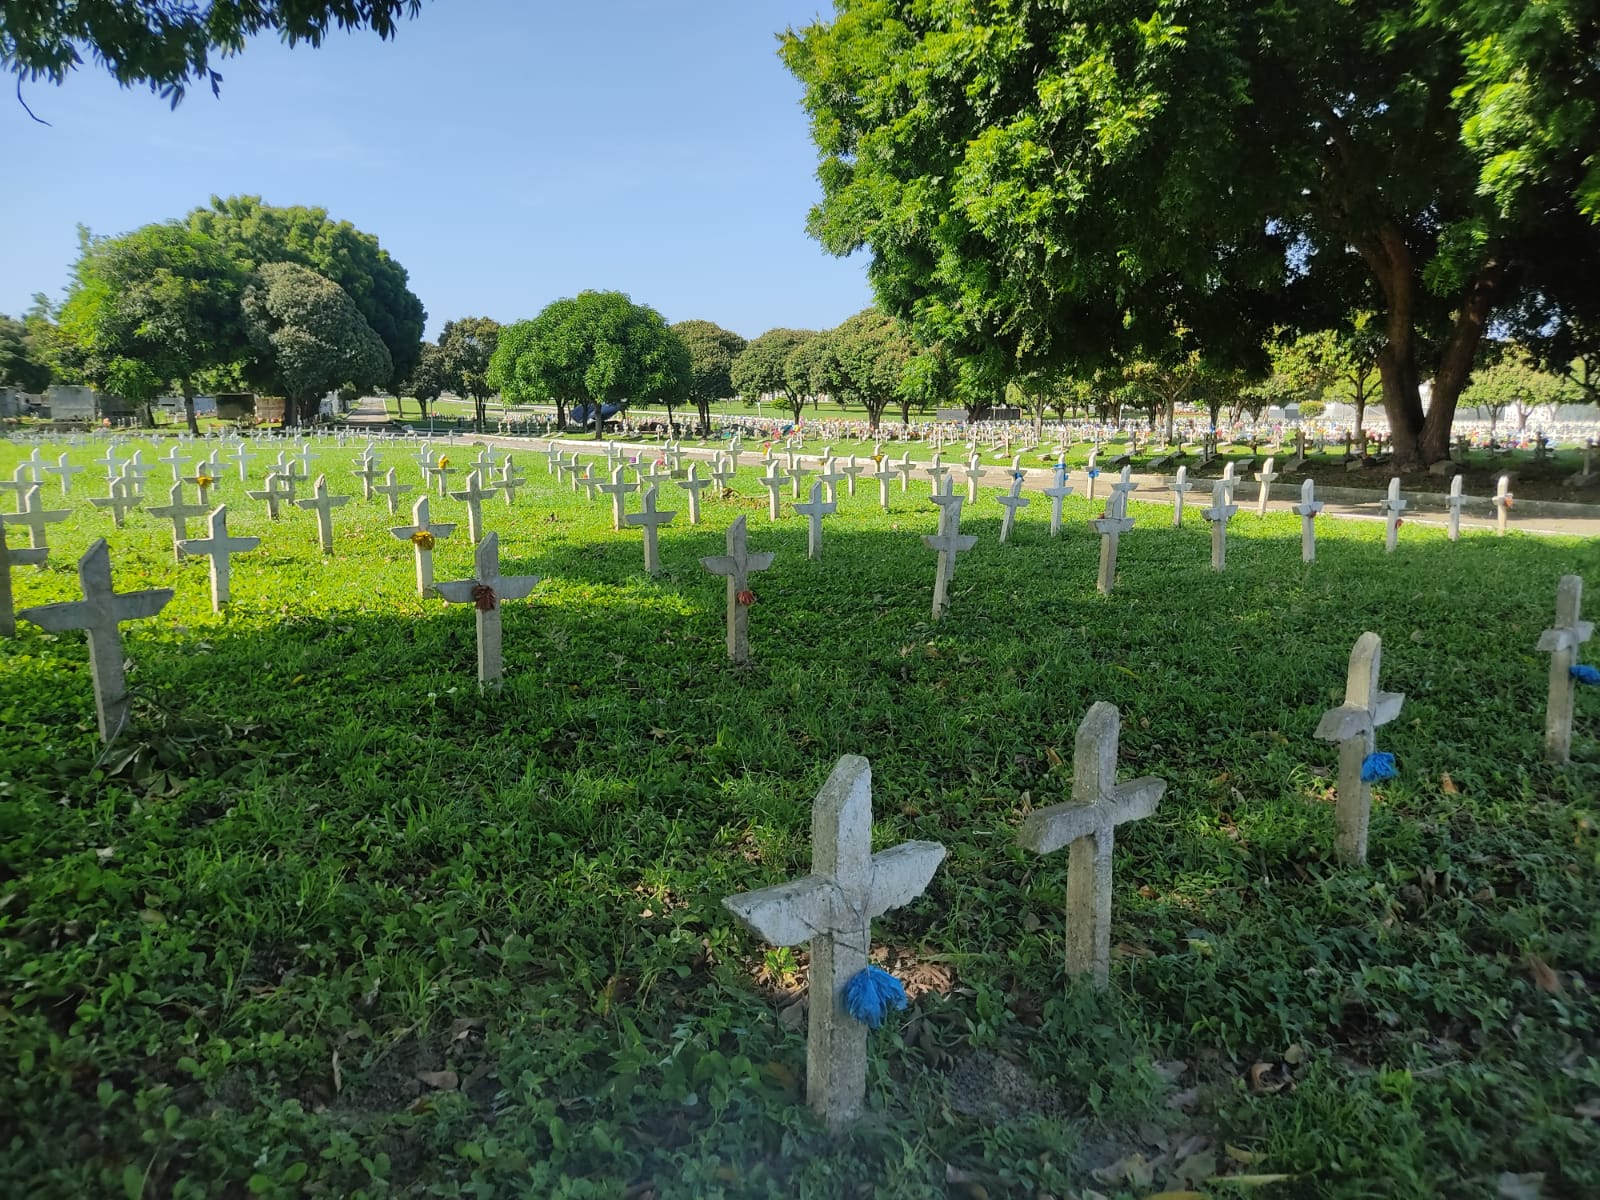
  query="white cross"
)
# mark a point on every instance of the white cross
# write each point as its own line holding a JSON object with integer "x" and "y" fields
{"x": 35, "y": 518}
{"x": 1012, "y": 500}
{"x": 833, "y": 908}
{"x": 796, "y": 474}
{"x": 1353, "y": 725}
{"x": 1266, "y": 476}
{"x": 1502, "y": 504}
{"x": 203, "y": 481}
{"x": 552, "y": 457}
{"x": 884, "y": 474}
{"x": 1087, "y": 826}
{"x": 440, "y": 472}
{"x": 174, "y": 460}
{"x": 511, "y": 478}
{"x": 1393, "y": 506}
{"x": 366, "y": 472}
{"x": 590, "y": 481}
{"x": 218, "y": 547}
{"x": 936, "y": 472}
{"x": 21, "y": 480}
{"x": 830, "y": 477}
{"x": 473, "y": 496}
{"x": 1124, "y": 487}
{"x": 722, "y": 473}
{"x": 1561, "y": 642}
{"x": 737, "y": 564}
{"x": 323, "y": 505}
{"x": 66, "y": 470}
{"x": 1057, "y": 492}
{"x": 974, "y": 474}
{"x": 648, "y": 519}
{"x": 618, "y": 490}
{"x": 390, "y": 491}
{"x": 1455, "y": 501}
{"x": 99, "y": 613}
{"x": 120, "y": 501}
{"x": 850, "y": 470}
{"x": 8, "y": 559}
{"x": 1110, "y": 526}
{"x": 421, "y": 533}
{"x": 949, "y": 542}
{"x": 1307, "y": 511}
{"x": 692, "y": 485}
{"x": 814, "y": 512}
{"x": 486, "y": 591}
{"x": 905, "y": 466}
{"x": 271, "y": 493}
{"x": 1219, "y": 514}
{"x": 773, "y": 482}
{"x": 1179, "y": 485}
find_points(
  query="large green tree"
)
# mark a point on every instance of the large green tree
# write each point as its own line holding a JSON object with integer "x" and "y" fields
{"x": 712, "y": 350}
{"x": 155, "y": 307}
{"x": 256, "y": 233}
{"x": 311, "y": 336}
{"x": 466, "y": 347}
{"x": 596, "y": 349}
{"x": 22, "y": 361}
{"x": 863, "y": 361}
{"x": 169, "y": 44}
{"x": 1057, "y": 183}
{"x": 429, "y": 378}
{"x": 1514, "y": 381}
{"x": 762, "y": 368}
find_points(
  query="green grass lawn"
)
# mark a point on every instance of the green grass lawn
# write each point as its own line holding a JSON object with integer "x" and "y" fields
{"x": 328, "y": 922}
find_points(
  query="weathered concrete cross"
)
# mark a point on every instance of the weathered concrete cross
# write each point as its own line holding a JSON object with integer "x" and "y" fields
{"x": 1502, "y": 504}
{"x": 473, "y": 495}
{"x": 99, "y": 613}
{"x": 390, "y": 490}
{"x": 974, "y": 474}
{"x": 242, "y": 456}
{"x": 814, "y": 512}
{"x": 722, "y": 472}
{"x": 833, "y": 908}
{"x": 1012, "y": 500}
{"x": 797, "y": 473}
{"x": 648, "y": 519}
{"x": 511, "y": 478}
{"x": 850, "y": 470}
{"x": 422, "y": 534}
{"x": 1266, "y": 475}
{"x": 1455, "y": 501}
{"x": 1111, "y": 526}
{"x": 66, "y": 470}
{"x": 618, "y": 490}
{"x": 949, "y": 542}
{"x": 884, "y": 475}
{"x": 35, "y": 518}
{"x": 1087, "y": 826}
{"x": 120, "y": 501}
{"x": 773, "y": 482}
{"x": 936, "y": 472}
{"x": 1354, "y": 726}
{"x": 323, "y": 505}
{"x": 1219, "y": 514}
{"x": 1307, "y": 511}
{"x": 218, "y": 547}
{"x": 905, "y": 466}
{"x": 737, "y": 564}
{"x": 367, "y": 472}
{"x": 1058, "y": 491}
{"x": 485, "y": 591}
{"x": 1393, "y": 505}
{"x": 1561, "y": 642}
{"x": 693, "y": 485}
{"x": 271, "y": 493}
{"x": 203, "y": 481}
{"x": 176, "y": 511}
{"x": 8, "y": 559}
{"x": 830, "y": 477}
{"x": 176, "y": 461}
{"x": 1178, "y": 487}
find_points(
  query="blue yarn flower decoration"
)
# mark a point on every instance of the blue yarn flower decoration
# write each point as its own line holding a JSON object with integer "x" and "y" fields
{"x": 1016, "y": 474}
{"x": 1378, "y": 765}
{"x": 1094, "y": 472}
{"x": 871, "y": 993}
{"x": 1584, "y": 673}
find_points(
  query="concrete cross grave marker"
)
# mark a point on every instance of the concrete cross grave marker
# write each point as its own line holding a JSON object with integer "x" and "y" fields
{"x": 422, "y": 534}
{"x": 1229, "y": 480}
{"x": 219, "y": 548}
{"x": 1219, "y": 514}
{"x": 1307, "y": 511}
{"x": 473, "y": 496}
{"x": 1561, "y": 643}
{"x": 1093, "y": 472}
{"x": 948, "y": 542}
{"x": 1354, "y": 726}
{"x": 693, "y": 485}
{"x": 1124, "y": 487}
{"x": 202, "y": 481}
{"x": 738, "y": 564}
{"x": 35, "y": 518}
{"x": 905, "y": 466}
{"x": 1087, "y": 826}
{"x": 323, "y": 505}
{"x": 35, "y": 464}
{"x": 1012, "y": 500}
{"x": 1455, "y": 500}
{"x": 833, "y": 908}
{"x": 121, "y": 501}
{"x": 66, "y": 471}
{"x": 1266, "y": 476}
{"x": 1393, "y": 505}
{"x": 176, "y": 461}
{"x": 1110, "y": 526}
{"x": 272, "y": 492}
{"x": 884, "y": 475}
{"x": 590, "y": 481}
{"x": 510, "y": 479}
{"x": 289, "y": 478}
{"x": 486, "y": 591}
{"x": 1502, "y": 504}
{"x": 552, "y": 457}
{"x": 649, "y": 520}
{"x": 937, "y": 472}
{"x": 773, "y": 482}
{"x": 20, "y": 481}
{"x": 367, "y": 471}
{"x": 440, "y": 471}
{"x": 1178, "y": 487}
{"x": 814, "y": 512}
{"x": 1057, "y": 492}
{"x": 974, "y": 474}
{"x": 389, "y": 489}
{"x": 722, "y": 473}
{"x": 797, "y": 473}
{"x": 98, "y": 614}
{"x": 14, "y": 558}
{"x": 829, "y": 478}
{"x": 618, "y": 490}
{"x": 850, "y": 470}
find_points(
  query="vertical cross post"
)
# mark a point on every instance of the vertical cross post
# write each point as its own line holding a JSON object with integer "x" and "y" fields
{"x": 1393, "y": 506}
{"x": 693, "y": 485}
{"x": 473, "y": 495}
{"x": 1110, "y": 526}
{"x": 1502, "y": 504}
{"x": 390, "y": 490}
{"x": 485, "y": 591}
{"x": 323, "y": 505}
{"x": 738, "y": 564}
{"x": 1561, "y": 642}
{"x": 14, "y": 558}
{"x": 1179, "y": 485}
{"x": 1012, "y": 500}
{"x": 218, "y": 547}
{"x": 422, "y": 534}
{"x": 1354, "y": 726}
{"x": 1219, "y": 514}
{"x": 35, "y": 518}
{"x": 1455, "y": 502}
{"x": 1266, "y": 475}
{"x": 814, "y": 512}
{"x": 649, "y": 520}
{"x": 1307, "y": 511}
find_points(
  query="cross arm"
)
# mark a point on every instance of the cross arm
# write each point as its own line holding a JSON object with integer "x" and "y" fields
{"x": 25, "y": 558}
{"x": 1569, "y": 638}
{"x": 1353, "y": 720}
{"x": 789, "y": 913}
{"x": 1049, "y": 829}
{"x": 900, "y": 874}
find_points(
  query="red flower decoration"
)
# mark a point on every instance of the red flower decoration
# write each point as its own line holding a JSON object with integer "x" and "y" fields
{"x": 746, "y": 597}
{"x": 483, "y": 598}
{"x": 1398, "y": 521}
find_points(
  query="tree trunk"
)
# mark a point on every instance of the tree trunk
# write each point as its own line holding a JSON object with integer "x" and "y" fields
{"x": 188, "y": 407}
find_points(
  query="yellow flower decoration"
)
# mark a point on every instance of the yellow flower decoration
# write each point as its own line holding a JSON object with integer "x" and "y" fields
{"x": 422, "y": 540}
{"x": 443, "y": 461}
{"x": 204, "y": 481}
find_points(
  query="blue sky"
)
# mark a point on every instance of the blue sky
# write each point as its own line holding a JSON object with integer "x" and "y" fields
{"x": 506, "y": 152}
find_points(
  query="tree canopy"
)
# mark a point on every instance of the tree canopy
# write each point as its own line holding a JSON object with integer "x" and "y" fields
{"x": 170, "y": 44}
{"x": 311, "y": 336}
{"x": 465, "y": 348}
{"x": 429, "y": 378}
{"x": 863, "y": 361}
{"x": 1046, "y": 184}
{"x": 23, "y": 364}
{"x": 762, "y": 368}
{"x": 712, "y": 350}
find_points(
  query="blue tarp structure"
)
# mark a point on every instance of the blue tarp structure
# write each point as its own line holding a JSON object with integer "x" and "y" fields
{"x": 584, "y": 413}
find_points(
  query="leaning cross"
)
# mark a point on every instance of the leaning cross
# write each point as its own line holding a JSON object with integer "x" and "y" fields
{"x": 271, "y": 493}
{"x": 814, "y": 512}
{"x": 485, "y": 591}
{"x": 1307, "y": 511}
{"x": 1354, "y": 726}
{"x": 99, "y": 613}
{"x": 693, "y": 485}
{"x": 511, "y": 478}
{"x": 1087, "y": 825}
{"x": 35, "y": 518}
{"x": 474, "y": 495}
{"x": 833, "y": 908}
{"x": 1110, "y": 527}
{"x": 1392, "y": 506}
{"x": 737, "y": 564}
{"x": 218, "y": 547}
{"x": 1266, "y": 475}
{"x": 1219, "y": 514}
{"x": 389, "y": 490}
{"x": 323, "y": 504}
{"x": 618, "y": 490}
{"x": 949, "y": 542}
{"x": 421, "y": 533}
{"x": 8, "y": 559}
{"x": 1561, "y": 643}
{"x": 1013, "y": 500}
{"x": 649, "y": 520}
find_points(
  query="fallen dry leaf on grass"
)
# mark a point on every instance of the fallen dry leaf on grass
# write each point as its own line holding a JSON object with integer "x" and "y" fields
{"x": 1544, "y": 977}
{"x": 444, "y": 1081}
{"x": 1448, "y": 785}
